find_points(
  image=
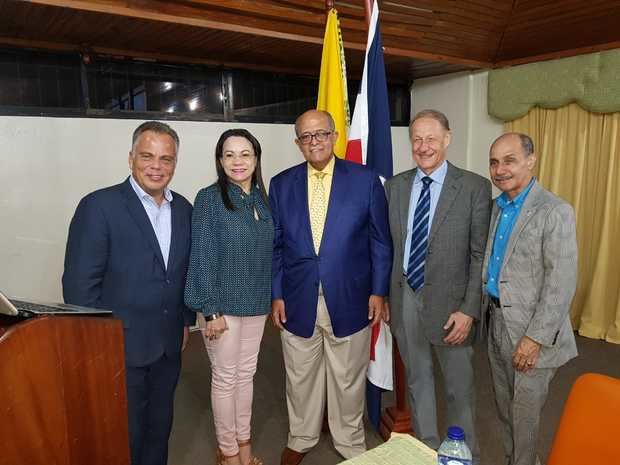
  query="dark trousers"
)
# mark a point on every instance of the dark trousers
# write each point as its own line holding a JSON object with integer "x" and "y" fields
{"x": 150, "y": 402}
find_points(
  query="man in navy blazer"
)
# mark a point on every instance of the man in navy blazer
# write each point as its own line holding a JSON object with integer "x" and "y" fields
{"x": 331, "y": 269}
{"x": 128, "y": 251}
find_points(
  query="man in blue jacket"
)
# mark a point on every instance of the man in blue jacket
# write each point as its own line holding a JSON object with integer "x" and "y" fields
{"x": 128, "y": 251}
{"x": 331, "y": 268}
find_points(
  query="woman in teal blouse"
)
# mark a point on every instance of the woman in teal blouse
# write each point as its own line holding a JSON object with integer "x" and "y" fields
{"x": 229, "y": 285}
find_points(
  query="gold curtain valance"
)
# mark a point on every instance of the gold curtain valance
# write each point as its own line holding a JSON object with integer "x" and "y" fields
{"x": 592, "y": 81}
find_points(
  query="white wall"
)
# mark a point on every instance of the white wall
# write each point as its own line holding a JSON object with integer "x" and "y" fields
{"x": 463, "y": 98}
{"x": 401, "y": 150}
{"x": 48, "y": 164}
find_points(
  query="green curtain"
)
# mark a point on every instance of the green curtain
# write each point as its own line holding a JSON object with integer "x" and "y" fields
{"x": 592, "y": 81}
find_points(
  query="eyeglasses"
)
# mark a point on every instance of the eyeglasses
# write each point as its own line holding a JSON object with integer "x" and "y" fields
{"x": 319, "y": 136}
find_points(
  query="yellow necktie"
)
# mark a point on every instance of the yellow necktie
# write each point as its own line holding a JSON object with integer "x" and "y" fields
{"x": 318, "y": 209}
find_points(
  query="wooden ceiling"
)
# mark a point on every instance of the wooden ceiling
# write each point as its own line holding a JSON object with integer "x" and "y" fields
{"x": 421, "y": 37}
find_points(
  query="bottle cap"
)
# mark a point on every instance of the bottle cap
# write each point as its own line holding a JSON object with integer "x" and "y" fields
{"x": 456, "y": 433}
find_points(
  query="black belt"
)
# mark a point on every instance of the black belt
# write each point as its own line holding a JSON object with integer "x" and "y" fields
{"x": 495, "y": 301}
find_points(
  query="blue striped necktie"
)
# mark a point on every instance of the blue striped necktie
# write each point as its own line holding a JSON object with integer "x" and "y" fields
{"x": 419, "y": 237}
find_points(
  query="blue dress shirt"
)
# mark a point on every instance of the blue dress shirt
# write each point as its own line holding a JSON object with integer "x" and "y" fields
{"x": 438, "y": 176}
{"x": 509, "y": 212}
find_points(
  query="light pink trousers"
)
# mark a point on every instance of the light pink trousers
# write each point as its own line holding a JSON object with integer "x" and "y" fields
{"x": 233, "y": 359}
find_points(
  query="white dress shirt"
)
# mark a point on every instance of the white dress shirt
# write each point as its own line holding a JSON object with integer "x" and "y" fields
{"x": 159, "y": 215}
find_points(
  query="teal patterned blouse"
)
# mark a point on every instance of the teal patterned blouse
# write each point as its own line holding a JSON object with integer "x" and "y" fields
{"x": 230, "y": 261}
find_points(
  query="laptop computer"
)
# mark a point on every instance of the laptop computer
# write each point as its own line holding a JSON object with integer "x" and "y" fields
{"x": 29, "y": 308}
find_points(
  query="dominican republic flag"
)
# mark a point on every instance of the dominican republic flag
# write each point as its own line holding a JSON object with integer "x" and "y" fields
{"x": 370, "y": 143}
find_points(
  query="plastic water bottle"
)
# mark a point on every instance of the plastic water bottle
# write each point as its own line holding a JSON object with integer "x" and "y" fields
{"x": 454, "y": 450}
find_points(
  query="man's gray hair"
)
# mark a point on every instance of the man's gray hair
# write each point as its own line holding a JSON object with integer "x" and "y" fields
{"x": 526, "y": 143}
{"x": 330, "y": 120}
{"x": 433, "y": 114}
{"x": 157, "y": 127}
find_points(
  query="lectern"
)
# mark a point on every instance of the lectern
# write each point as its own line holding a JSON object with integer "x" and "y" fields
{"x": 62, "y": 392}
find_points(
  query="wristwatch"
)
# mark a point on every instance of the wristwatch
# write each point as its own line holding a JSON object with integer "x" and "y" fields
{"x": 213, "y": 316}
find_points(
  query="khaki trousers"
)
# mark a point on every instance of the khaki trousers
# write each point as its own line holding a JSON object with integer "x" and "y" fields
{"x": 326, "y": 364}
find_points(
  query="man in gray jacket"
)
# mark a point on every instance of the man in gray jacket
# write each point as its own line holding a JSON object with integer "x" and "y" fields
{"x": 530, "y": 276}
{"x": 439, "y": 220}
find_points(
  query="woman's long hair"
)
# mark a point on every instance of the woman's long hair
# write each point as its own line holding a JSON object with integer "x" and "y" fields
{"x": 222, "y": 179}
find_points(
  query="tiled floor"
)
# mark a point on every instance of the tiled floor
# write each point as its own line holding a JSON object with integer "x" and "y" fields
{"x": 193, "y": 439}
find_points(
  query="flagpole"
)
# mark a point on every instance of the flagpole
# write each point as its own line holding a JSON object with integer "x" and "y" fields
{"x": 329, "y": 4}
{"x": 396, "y": 418}
{"x": 368, "y": 9}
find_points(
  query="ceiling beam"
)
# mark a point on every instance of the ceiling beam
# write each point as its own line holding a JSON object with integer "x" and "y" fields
{"x": 118, "y": 8}
{"x": 500, "y": 42}
{"x": 147, "y": 56}
{"x": 189, "y": 16}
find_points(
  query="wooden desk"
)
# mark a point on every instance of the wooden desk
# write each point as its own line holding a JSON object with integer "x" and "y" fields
{"x": 62, "y": 392}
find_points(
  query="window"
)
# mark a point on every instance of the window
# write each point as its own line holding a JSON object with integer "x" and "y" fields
{"x": 60, "y": 84}
{"x": 33, "y": 81}
{"x": 268, "y": 97}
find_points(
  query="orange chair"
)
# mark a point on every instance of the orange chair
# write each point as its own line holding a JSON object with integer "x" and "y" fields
{"x": 588, "y": 430}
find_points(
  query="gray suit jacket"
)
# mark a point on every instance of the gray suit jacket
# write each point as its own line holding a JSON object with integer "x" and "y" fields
{"x": 457, "y": 236}
{"x": 538, "y": 277}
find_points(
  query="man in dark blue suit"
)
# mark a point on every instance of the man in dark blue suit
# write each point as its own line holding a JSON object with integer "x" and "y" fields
{"x": 128, "y": 251}
{"x": 331, "y": 269}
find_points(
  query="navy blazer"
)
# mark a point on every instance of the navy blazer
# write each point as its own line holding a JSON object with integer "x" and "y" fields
{"x": 113, "y": 261}
{"x": 355, "y": 257}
